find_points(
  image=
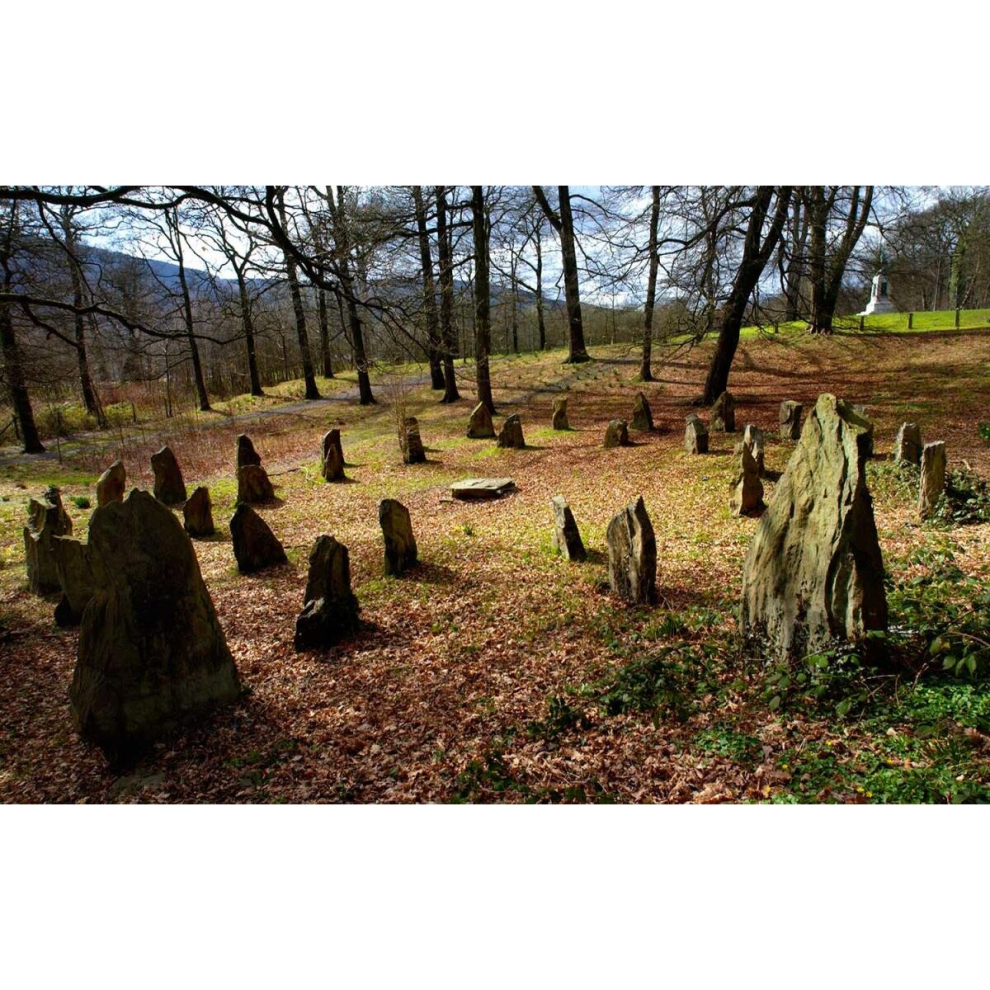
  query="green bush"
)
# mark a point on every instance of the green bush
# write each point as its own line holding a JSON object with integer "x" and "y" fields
{"x": 966, "y": 499}
{"x": 81, "y": 501}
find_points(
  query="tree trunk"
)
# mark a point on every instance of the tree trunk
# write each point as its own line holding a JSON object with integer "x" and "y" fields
{"x": 448, "y": 340}
{"x": 540, "y": 321}
{"x": 187, "y": 315}
{"x": 645, "y": 372}
{"x": 429, "y": 295}
{"x": 16, "y": 387}
{"x": 325, "y": 365}
{"x": 515, "y": 305}
{"x": 795, "y": 266}
{"x": 482, "y": 325}
{"x": 248, "y": 322}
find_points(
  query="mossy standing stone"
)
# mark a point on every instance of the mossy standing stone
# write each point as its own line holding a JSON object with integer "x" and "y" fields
{"x": 332, "y": 467}
{"x": 790, "y": 420}
{"x": 480, "y": 425}
{"x": 753, "y": 439}
{"x": 246, "y": 454}
{"x": 747, "y": 495}
{"x": 198, "y": 513}
{"x": 616, "y": 434}
{"x": 566, "y": 536}
{"x": 75, "y": 576}
{"x": 169, "y": 486}
{"x": 411, "y": 443}
{"x": 907, "y": 446}
{"x": 254, "y": 485}
{"x": 695, "y": 435}
{"x": 632, "y": 554}
{"x": 511, "y": 434}
{"x": 723, "y": 415}
{"x": 111, "y": 484}
{"x": 47, "y": 519}
{"x": 255, "y": 545}
{"x": 400, "y": 545}
{"x": 933, "y": 463}
{"x": 642, "y": 416}
{"x": 330, "y": 610}
{"x": 558, "y": 416}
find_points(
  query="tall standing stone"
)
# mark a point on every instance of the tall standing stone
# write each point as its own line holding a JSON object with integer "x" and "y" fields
{"x": 411, "y": 443}
{"x": 169, "y": 486}
{"x": 152, "y": 653}
{"x": 723, "y": 418}
{"x": 511, "y": 434}
{"x": 790, "y": 420}
{"x": 747, "y": 495}
{"x": 813, "y": 574}
{"x": 616, "y": 434}
{"x": 642, "y": 417}
{"x": 400, "y": 544}
{"x": 333, "y": 457}
{"x": 632, "y": 554}
{"x": 75, "y": 576}
{"x": 566, "y": 536}
{"x": 330, "y": 610}
{"x": 932, "y": 485}
{"x": 480, "y": 426}
{"x": 198, "y": 513}
{"x": 246, "y": 454}
{"x": 111, "y": 484}
{"x": 753, "y": 438}
{"x": 559, "y": 415}
{"x": 907, "y": 446}
{"x": 47, "y": 519}
{"x": 253, "y": 484}
{"x": 695, "y": 435}
{"x": 255, "y": 545}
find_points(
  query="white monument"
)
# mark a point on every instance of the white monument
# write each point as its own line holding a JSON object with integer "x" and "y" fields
{"x": 879, "y": 293}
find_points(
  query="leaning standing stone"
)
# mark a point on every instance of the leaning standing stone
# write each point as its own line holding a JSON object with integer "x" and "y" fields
{"x": 566, "y": 537}
{"x": 246, "y": 454}
{"x": 253, "y": 484}
{"x": 617, "y": 434}
{"x": 411, "y": 443}
{"x": 198, "y": 513}
{"x": 790, "y": 420}
{"x": 642, "y": 417}
{"x": 747, "y": 497}
{"x": 46, "y": 520}
{"x": 907, "y": 447}
{"x": 255, "y": 545}
{"x": 169, "y": 486}
{"x": 152, "y": 653}
{"x": 813, "y": 574}
{"x": 110, "y": 487}
{"x": 724, "y": 413}
{"x": 400, "y": 544}
{"x": 559, "y": 414}
{"x": 932, "y": 478}
{"x": 632, "y": 554}
{"x": 480, "y": 425}
{"x": 753, "y": 438}
{"x": 333, "y": 457}
{"x": 511, "y": 434}
{"x": 330, "y": 610}
{"x": 695, "y": 435}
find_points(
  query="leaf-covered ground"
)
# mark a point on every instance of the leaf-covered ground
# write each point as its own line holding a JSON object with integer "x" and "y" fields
{"x": 495, "y": 671}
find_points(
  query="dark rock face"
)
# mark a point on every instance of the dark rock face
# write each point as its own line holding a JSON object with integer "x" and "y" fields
{"x": 813, "y": 574}
{"x": 695, "y": 435}
{"x": 559, "y": 415}
{"x": 642, "y": 417}
{"x": 411, "y": 443}
{"x": 864, "y": 413}
{"x": 246, "y": 454}
{"x": 333, "y": 457}
{"x": 480, "y": 426}
{"x": 198, "y": 513}
{"x": 255, "y": 545}
{"x": 723, "y": 418}
{"x": 253, "y": 484}
{"x": 330, "y": 610}
{"x": 790, "y": 420}
{"x": 747, "y": 495}
{"x": 400, "y": 544}
{"x": 632, "y": 554}
{"x": 169, "y": 486}
{"x": 907, "y": 447}
{"x": 933, "y": 461}
{"x": 46, "y": 520}
{"x": 616, "y": 434}
{"x": 152, "y": 653}
{"x": 511, "y": 434}
{"x": 753, "y": 439}
{"x": 110, "y": 486}
{"x": 75, "y": 577}
{"x": 566, "y": 537}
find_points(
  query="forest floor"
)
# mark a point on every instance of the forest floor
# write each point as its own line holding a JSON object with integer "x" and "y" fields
{"x": 495, "y": 671}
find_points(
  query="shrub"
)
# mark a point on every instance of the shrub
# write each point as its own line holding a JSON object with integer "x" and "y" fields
{"x": 81, "y": 501}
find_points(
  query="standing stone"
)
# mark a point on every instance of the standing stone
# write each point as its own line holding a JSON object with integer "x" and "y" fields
{"x": 747, "y": 498}
{"x": 411, "y": 443}
{"x": 813, "y": 574}
{"x": 480, "y": 425}
{"x": 566, "y": 537}
{"x": 695, "y": 435}
{"x": 632, "y": 554}
{"x": 753, "y": 438}
{"x": 46, "y": 520}
{"x": 790, "y": 420}
{"x": 400, "y": 544}
{"x": 75, "y": 576}
{"x": 333, "y": 457}
{"x": 255, "y": 545}
{"x": 864, "y": 413}
{"x": 559, "y": 414}
{"x": 511, "y": 434}
{"x": 932, "y": 478}
{"x": 169, "y": 486}
{"x": 723, "y": 416}
{"x": 907, "y": 446}
{"x": 642, "y": 417}
{"x": 330, "y": 610}
{"x": 253, "y": 484}
{"x": 246, "y": 454}
{"x": 198, "y": 513}
{"x": 152, "y": 653}
{"x": 617, "y": 434}
{"x": 110, "y": 487}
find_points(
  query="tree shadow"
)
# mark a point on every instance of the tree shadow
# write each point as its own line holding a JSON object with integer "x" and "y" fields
{"x": 427, "y": 573}
{"x": 595, "y": 557}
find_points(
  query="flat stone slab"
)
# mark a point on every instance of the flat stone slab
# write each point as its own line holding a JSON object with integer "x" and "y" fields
{"x": 474, "y": 488}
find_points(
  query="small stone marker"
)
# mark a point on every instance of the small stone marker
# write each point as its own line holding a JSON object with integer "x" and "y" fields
{"x": 411, "y": 443}
{"x": 642, "y": 417}
{"x": 333, "y": 457}
{"x": 566, "y": 537}
{"x": 511, "y": 434}
{"x": 617, "y": 434}
{"x": 253, "y": 484}
{"x": 330, "y": 610}
{"x": 75, "y": 575}
{"x": 169, "y": 486}
{"x": 246, "y": 454}
{"x": 632, "y": 554}
{"x": 110, "y": 487}
{"x": 198, "y": 513}
{"x": 255, "y": 545}
{"x": 471, "y": 489}
{"x": 790, "y": 420}
{"x": 400, "y": 544}
{"x": 753, "y": 438}
{"x": 46, "y": 520}
{"x": 695, "y": 435}
{"x": 559, "y": 414}
{"x": 480, "y": 426}
{"x": 747, "y": 498}
{"x": 907, "y": 446}
{"x": 723, "y": 416}
{"x": 932, "y": 485}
